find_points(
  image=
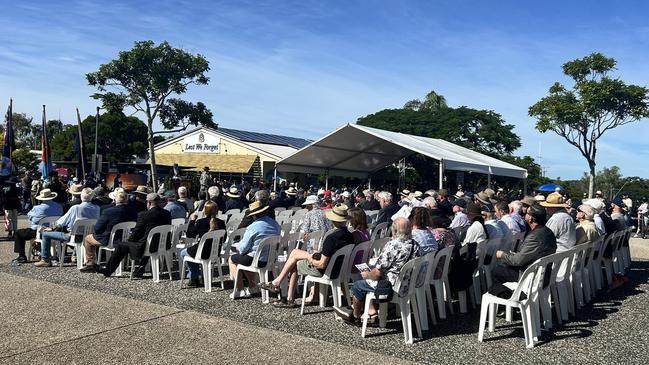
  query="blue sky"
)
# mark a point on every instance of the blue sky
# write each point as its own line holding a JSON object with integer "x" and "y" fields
{"x": 304, "y": 68}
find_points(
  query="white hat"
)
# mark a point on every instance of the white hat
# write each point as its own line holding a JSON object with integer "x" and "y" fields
{"x": 321, "y": 191}
{"x": 346, "y": 194}
{"x": 597, "y": 204}
{"x": 311, "y": 199}
{"x": 113, "y": 193}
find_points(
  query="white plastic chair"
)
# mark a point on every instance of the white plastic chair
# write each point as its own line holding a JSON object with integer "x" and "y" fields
{"x": 379, "y": 231}
{"x": 439, "y": 281}
{"x": 269, "y": 246}
{"x": 528, "y": 285}
{"x": 81, "y": 227}
{"x": 348, "y": 278}
{"x": 422, "y": 286}
{"x": 43, "y": 223}
{"x": 328, "y": 279}
{"x": 377, "y": 245}
{"x": 403, "y": 295}
{"x": 178, "y": 221}
{"x": 123, "y": 228}
{"x": 232, "y": 211}
{"x": 226, "y": 250}
{"x": 161, "y": 255}
{"x": 216, "y": 237}
{"x": 232, "y": 225}
{"x": 561, "y": 288}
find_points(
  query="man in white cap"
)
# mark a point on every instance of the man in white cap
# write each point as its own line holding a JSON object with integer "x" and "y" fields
{"x": 46, "y": 208}
{"x": 598, "y": 208}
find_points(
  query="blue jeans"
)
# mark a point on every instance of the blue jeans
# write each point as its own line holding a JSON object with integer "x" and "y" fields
{"x": 46, "y": 242}
{"x": 361, "y": 288}
{"x": 193, "y": 268}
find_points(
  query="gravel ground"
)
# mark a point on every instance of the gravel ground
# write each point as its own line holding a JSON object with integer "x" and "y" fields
{"x": 596, "y": 335}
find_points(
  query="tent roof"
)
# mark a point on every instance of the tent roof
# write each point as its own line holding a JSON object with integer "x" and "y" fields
{"x": 355, "y": 151}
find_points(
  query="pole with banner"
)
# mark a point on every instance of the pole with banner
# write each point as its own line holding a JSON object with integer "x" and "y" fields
{"x": 46, "y": 151}
{"x": 9, "y": 146}
{"x": 80, "y": 150}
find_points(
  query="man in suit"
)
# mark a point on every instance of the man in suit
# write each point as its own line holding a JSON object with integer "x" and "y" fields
{"x": 153, "y": 217}
{"x": 121, "y": 212}
{"x": 538, "y": 243}
{"x": 388, "y": 208}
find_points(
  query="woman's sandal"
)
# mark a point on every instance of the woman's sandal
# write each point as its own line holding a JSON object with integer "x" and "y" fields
{"x": 285, "y": 304}
{"x": 270, "y": 287}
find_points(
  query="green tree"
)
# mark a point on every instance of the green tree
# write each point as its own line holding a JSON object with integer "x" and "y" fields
{"x": 24, "y": 160}
{"x": 431, "y": 103}
{"x": 120, "y": 138}
{"x": 484, "y": 131}
{"x": 145, "y": 78}
{"x": 595, "y": 104}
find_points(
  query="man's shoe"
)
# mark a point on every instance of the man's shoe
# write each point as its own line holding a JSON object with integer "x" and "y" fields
{"x": 194, "y": 283}
{"x": 138, "y": 271}
{"x": 344, "y": 314}
{"x": 21, "y": 259}
{"x": 104, "y": 271}
{"x": 239, "y": 294}
{"x": 43, "y": 263}
{"x": 89, "y": 269}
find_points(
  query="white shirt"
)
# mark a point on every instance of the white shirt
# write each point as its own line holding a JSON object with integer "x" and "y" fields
{"x": 563, "y": 227}
{"x": 599, "y": 224}
{"x": 643, "y": 208}
{"x": 511, "y": 224}
{"x": 475, "y": 233}
{"x": 460, "y": 220}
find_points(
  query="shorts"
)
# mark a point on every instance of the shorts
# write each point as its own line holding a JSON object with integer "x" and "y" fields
{"x": 304, "y": 268}
{"x": 245, "y": 260}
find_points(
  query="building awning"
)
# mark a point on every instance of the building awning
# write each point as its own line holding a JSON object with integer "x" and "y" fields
{"x": 216, "y": 163}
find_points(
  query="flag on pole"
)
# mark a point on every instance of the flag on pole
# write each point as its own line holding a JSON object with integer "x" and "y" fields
{"x": 46, "y": 155}
{"x": 80, "y": 151}
{"x": 9, "y": 143}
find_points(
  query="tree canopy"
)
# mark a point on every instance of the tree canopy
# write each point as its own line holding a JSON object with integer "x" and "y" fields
{"x": 595, "y": 104}
{"x": 484, "y": 131}
{"x": 145, "y": 78}
{"x": 119, "y": 138}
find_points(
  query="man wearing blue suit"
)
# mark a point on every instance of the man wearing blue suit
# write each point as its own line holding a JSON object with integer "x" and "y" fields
{"x": 121, "y": 212}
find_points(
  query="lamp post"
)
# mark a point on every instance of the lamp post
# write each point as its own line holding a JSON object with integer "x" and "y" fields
{"x": 94, "y": 156}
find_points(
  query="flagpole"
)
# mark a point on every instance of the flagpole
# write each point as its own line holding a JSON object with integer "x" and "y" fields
{"x": 10, "y": 120}
{"x": 81, "y": 147}
{"x": 45, "y": 171}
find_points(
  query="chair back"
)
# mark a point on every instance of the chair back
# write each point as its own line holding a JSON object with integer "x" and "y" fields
{"x": 82, "y": 227}
{"x": 159, "y": 234}
{"x": 357, "y": 256}
{"x": 279, "y": 209}
{"x": 441, "y": 264}
{"x": 237, "y": 216}
{"x": 267, "y": 248}
{"x": 491, "y": 246}
{"x": 405, "y": 285}
{"x": 371, "y": 215}
{"x": 177, "y": 232}
{"x": 377, "y": 245}
{"x": 379, "y": 231}
{"x": 46, "y": 222}
{"x": 123, "y": 229}
{"x": 460, "y": 232}
{"x": 528, "y": 282}
{"x": 232, "y": 224}
{"x": 232, "y": 239}
{"x": 217, "y": 237}
{"x": 285, "y": 229}
{"x": 178, "y": 221}
{"x": 339, "y": 259}
{"x": 315, "y": 237}
{"x": 233, "y": 211}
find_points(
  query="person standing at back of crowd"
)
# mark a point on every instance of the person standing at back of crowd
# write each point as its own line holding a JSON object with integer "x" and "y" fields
{"x": 205, "y": 179}
{"x": 11, "y": 205}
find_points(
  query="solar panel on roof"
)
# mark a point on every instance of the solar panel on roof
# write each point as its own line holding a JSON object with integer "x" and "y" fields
{"x": 256, "y": 137}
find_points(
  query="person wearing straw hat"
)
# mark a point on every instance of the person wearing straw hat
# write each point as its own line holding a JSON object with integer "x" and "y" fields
{"x": 262, "y": 227}
{"x": 460, "y": 219}
{"x": 59, "y": 231}
{"x": 153, "y": 217}
{"x": 234, "y": 199}
{"x": 560, "y": 222}
{"x": 289, "y": 201}
{"x": 305, "y": 263}
{"x": 46, "y": 208}
{"x": 75, "y": 195}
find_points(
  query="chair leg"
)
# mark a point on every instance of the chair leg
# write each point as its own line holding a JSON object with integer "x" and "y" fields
{"x": 441, "y": 303}
{"x": 182, "y": 274}
{"x": 484, "y": 308}
{"x": 462, "y": 298}
{"x": 207, "y": 276}
{"x": 407, "y": 321}
{"x": 155, "y": 268}
{"x": 305, "y": 286}
{"x": 416, "y": 319}
{"x": 368, "y": 301}
{"x": 420, "y": 300}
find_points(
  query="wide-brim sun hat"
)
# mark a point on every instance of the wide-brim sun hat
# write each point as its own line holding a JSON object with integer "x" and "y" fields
{"x": 46, "y": 194}
{"x": 291, "y": 191}
{"x": 233, "y": 193}
{"x": 473, "y": 210}
{"x": 311, "y": 199}
{"x": 75, "y": 189}
{"x": 113, "y": 193}
{"x": 554, "y": 200}
{"x": 256, "y": 207}
{"x": 141, "y": 189}
{"x": 338, "y": 213}
{"x": 483, "y": 198}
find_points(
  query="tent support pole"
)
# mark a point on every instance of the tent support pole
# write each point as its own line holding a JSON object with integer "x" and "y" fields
{"x": 369, "y": 183}
{"x": 327, "y": 182}
{"x": 441, "y": 174}
{"x": 275, "y": 179}
{"x": 489, "y": 181}
{"x": 524, "y": 186}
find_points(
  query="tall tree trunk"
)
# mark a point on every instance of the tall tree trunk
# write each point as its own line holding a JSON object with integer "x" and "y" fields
{"x": 154, "y": 173}
{"x": 591, "y": 179}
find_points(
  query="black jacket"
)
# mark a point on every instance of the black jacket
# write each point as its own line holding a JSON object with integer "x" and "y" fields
{"x": 234, "y": 203}
{"x": 385, "y": 214}
{"x": 109, "y": 218}
{"x": 197, "y": 228}
{"x": 146, "y": 221}
{"x": 538, "y": 243}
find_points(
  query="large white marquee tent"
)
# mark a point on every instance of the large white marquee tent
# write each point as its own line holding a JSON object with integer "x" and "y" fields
{"x": 357, "y": 151}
